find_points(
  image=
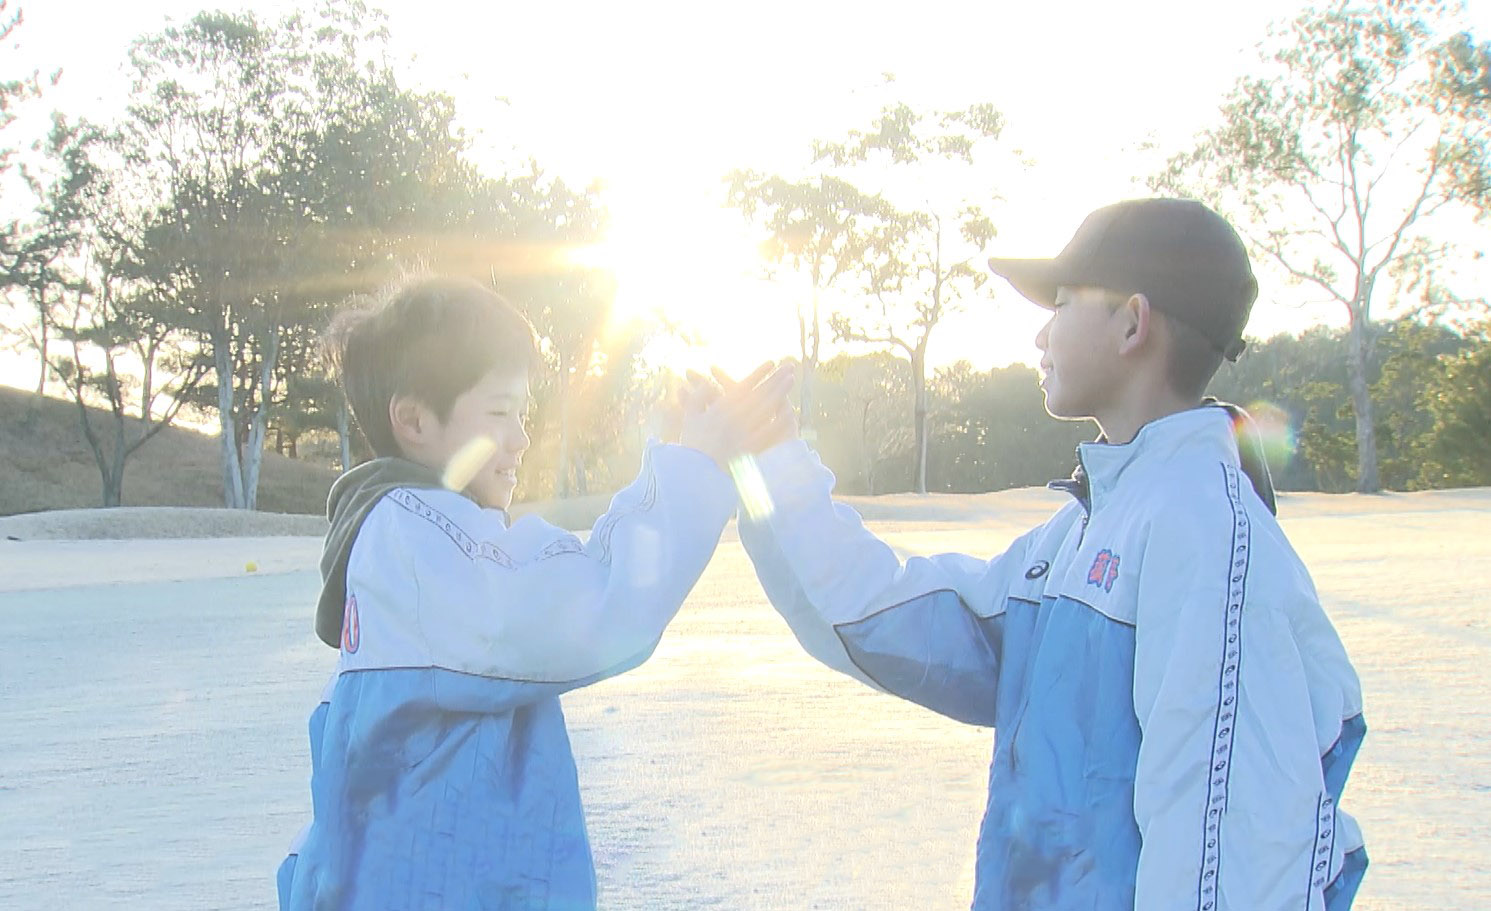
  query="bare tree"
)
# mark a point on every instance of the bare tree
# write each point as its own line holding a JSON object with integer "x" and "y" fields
{"x": 1365, "y": 130}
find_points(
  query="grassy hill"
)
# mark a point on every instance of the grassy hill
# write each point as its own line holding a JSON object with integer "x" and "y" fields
{"x": 45, "y": 463}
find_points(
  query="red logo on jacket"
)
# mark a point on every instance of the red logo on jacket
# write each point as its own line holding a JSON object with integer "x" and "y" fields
{"x": 1104, "y": 571}
{"x": 351, "y": 628}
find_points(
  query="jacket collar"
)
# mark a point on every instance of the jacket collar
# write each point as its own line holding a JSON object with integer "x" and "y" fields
{"x": 1206, "y": 431}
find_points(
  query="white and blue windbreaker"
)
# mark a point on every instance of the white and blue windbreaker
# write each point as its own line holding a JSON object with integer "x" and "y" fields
{"x": 442, "y": 775}
{"x": 1175, "y": 715}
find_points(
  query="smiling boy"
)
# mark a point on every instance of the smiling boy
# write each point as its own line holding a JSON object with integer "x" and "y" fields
{"x": 442, "y": 775}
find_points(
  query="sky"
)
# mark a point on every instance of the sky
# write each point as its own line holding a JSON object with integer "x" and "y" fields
{"x": 657, "y": 101}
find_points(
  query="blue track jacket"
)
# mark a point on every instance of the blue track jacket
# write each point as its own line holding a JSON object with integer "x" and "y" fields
{"x": 1175, "y": 714}
{"x": 441, "y": 769}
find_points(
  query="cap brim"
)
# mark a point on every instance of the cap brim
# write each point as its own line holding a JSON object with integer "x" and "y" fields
{"x": 1036, "y": 279}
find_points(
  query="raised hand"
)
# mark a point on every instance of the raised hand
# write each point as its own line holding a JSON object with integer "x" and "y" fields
{"x": 777, "y": 427}
{"x": 725, "y": 422}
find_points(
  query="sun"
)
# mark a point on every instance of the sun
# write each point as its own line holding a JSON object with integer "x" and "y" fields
{"x": 692, "y": 268}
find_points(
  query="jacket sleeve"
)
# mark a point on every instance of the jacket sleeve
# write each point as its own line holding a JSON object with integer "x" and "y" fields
{"x": 929, "y": 629}
{"x": 504, "y": 615}
{"x": 1229, "y": 793}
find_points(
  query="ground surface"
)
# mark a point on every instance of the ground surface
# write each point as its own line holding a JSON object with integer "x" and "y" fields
{"x": 153, "y": 699}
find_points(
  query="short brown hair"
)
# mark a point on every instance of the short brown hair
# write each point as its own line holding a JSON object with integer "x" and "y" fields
{"x": 431, "y": 338}
{"x": 1192, "y": 359}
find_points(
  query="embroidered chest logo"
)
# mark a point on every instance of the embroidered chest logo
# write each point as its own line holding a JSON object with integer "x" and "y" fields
{"x": 1104, "y": 571}
{"x": 351, "y": 627}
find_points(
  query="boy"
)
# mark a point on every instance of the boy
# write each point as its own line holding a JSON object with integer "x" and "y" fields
{"x": 441, "y": 769}
{"x": 1175, "y": 714}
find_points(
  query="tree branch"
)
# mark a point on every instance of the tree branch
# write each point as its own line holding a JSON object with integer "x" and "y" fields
{"x": 1411, "y": 216}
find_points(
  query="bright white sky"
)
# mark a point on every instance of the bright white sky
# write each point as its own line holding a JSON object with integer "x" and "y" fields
{"x": 660, "y": 100}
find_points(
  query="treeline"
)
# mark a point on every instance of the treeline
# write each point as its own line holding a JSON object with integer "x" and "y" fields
{"x": 1430, "y": 384}
{"x": 989, "y": 430}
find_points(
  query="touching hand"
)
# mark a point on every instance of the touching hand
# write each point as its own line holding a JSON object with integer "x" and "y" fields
{"x": 724, "y": 421}
{"x": 777, "y": 427}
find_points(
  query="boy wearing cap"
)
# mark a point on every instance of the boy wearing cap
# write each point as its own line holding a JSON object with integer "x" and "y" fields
{"x": 1175, "y": 714}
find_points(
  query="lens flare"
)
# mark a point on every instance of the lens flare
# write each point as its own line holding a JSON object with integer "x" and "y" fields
{"x": 755, "y": 498}
{"x": 467, "y": 461}
{"x": 1276, "y": 433}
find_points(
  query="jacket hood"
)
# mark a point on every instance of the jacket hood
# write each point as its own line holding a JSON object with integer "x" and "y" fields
{"x": 352, "y": 497}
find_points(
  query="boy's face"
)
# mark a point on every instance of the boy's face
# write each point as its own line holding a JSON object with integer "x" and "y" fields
{"x": 485, "y": 420}
{"x": 1079, "y": 353}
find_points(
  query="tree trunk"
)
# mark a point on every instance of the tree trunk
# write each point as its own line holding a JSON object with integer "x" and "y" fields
{"x": 563, "y": 473}
{"x": 222, "y": 364}
{"x": 147, "y": 386}
{"x": 41, "y": 382}
{"x": 1367, "y": 480}
{"x": 809, "y": 341}
{"x": 112, "y": 494}
{"x": 582, "y": 485}
{"x": 919, "y": 383}
{"x": 253, "y": 450}
{"x": 114, "y": 476}
{"x": 344, "y": 435}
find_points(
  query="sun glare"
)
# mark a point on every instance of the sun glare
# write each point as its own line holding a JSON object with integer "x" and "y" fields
{"x": 698, "y": 279}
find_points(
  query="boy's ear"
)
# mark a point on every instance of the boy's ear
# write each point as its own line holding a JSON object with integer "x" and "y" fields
{"x": 1135, "y": 321}
{"x": 409, "y": 420}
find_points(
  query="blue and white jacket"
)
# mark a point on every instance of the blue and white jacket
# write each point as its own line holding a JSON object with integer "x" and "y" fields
{"x": 442, "y": 775}
{"x": 1175, "y": 715}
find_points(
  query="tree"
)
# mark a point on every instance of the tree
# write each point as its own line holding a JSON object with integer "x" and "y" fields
{"x": 820, "y": 227}
{"x": 101, "y": 308}
{"x": 568, "y": 304}
{"x": 1303, "y": 380}
{"x": 1408, "y": 355}
{"x": 863, "y": 434}
{"x": 289, "y": 171}
{"x": 1336, "y": 162}
{"x": 924, "y": 259}
{"x": 1458, "y": 400}
{"x": 211, "y": 103}
{"x": 22, "y": 259}
{"x": 993, "y": 431}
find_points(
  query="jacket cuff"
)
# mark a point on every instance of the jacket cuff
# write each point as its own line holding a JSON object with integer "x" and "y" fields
{"x": 695, "y": 472}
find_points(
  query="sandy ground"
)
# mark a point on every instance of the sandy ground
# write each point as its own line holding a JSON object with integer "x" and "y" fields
{"x": 153, "y": 700}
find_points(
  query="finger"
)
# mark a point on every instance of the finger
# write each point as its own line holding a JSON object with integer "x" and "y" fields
{"x": 782, "y": 426}
{"x": 751, "y": 417}
{"x": 695, "y": 378}
{"x": 723, "y": 379}
{"x": 766, "y": 396}
{"x": 750, "y": 382}
{"x": 701, "y": 389}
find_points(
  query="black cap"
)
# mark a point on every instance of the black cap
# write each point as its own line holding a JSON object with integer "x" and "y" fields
{"x": 1182, "y": 256}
